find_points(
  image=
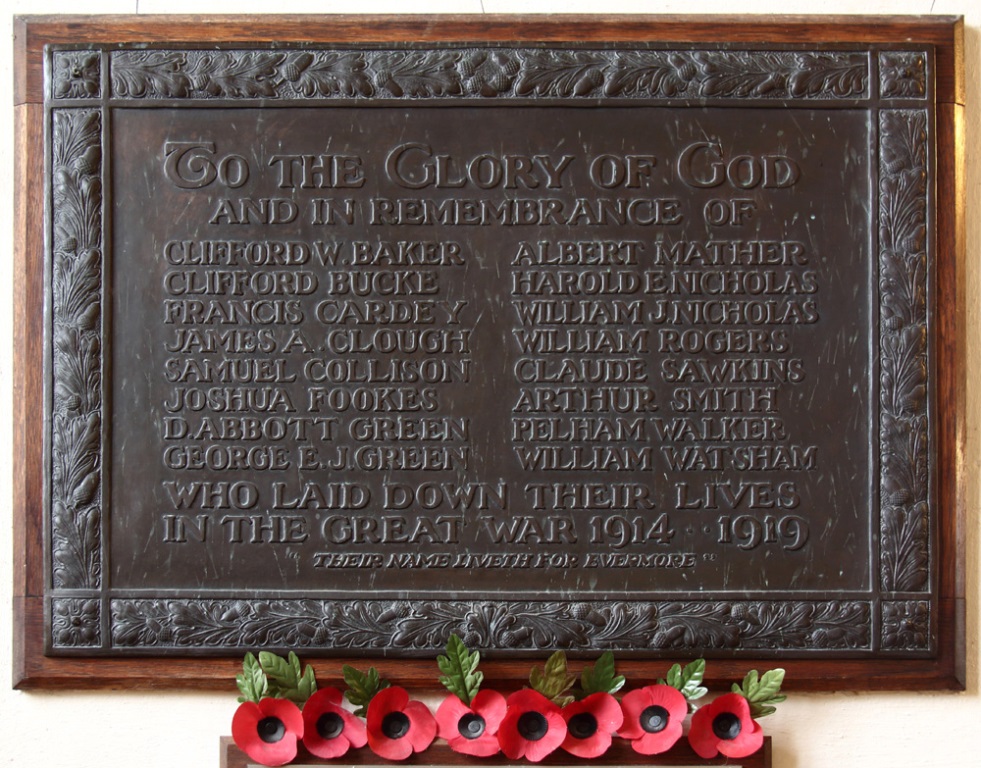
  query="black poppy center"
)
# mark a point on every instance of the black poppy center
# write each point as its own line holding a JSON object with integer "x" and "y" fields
{"x": 532, "y": 726}
{"x": 654, "y": 719}
{"x": 471, "y": 726}
{"x": 330, "y": 725}
{"x": 395, "y": 725}
{"x": 726, "y": 726}
{"x": 271, "y": 730}
{"x": 583, "y": 725}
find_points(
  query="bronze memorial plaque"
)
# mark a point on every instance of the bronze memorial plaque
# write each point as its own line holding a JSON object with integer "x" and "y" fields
{"x": 601, "y": 345}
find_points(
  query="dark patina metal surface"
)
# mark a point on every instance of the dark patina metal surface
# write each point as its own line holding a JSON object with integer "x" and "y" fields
{"x": 576, "y": 349}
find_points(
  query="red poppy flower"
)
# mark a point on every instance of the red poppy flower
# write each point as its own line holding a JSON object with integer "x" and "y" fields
{"x": 533, "y": 726}
{"x": 472, "y": 730}
{"x": 591, "y": 724}
{"x": 268, "y": 731}
{"x": 397, "y": 727}
{"x": 329, "y": 730}
{"x": 725, "y": 726}
{"x": 653, "y": 717}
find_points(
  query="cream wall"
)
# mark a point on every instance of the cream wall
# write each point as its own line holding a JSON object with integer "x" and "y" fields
{"x": 810, "y": 731}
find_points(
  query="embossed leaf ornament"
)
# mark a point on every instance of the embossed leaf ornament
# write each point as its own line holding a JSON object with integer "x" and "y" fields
{"x": 561, "y": 73}
{"x": 726, "y": 75}
{"x": 418, "y": 73}
{"x": 651, "y": 74}
{"x": 817, "y": 74}
{"x": 489, "y": 73}
{"x": 328, "y": 74}
{"x": 140, "y": 73}
{"x": 252, "y": 75}
{"x": 75, "y": 516}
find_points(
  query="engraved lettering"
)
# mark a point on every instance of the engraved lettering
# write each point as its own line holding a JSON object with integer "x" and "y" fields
{"x": 704, "y": 165}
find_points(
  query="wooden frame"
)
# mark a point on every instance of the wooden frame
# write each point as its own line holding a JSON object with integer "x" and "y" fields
{"x": 33, "y": 668}
{"x": 681, "y": 754}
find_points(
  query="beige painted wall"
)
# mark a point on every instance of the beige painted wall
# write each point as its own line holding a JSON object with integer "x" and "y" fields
{"x": 810, "y": 731}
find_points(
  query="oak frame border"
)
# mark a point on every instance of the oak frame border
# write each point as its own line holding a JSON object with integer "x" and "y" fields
{"x": 33, "y": 669}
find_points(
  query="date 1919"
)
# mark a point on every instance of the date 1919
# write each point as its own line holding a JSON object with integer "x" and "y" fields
{"x": 750, "y": 531}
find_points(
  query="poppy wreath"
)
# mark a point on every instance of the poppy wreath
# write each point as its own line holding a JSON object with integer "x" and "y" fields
{"x": 281, "y": 708}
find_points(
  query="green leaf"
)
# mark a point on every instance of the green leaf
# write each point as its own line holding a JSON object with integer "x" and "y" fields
{"x": 750, "y": 682}
{"x": 459, "y": 668}
{"x": 761, "y": 692}
{"x": 362, "y": 687}
{"x": 279, "y": 671}
{"x": 556, "y": 681}
{"x": 688, "y": 680}
{"x": 769, "y": 685}
{"x": 602, "y": 677}
{"x": 691, "y": 679}
{"x": 307, "y": 685}
{"x": 251, "y": 681}
{"x": 287, "y": 678}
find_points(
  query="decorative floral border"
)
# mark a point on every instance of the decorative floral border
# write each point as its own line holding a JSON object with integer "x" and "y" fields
{"x": 904, "y": 435}
{"x": 75, "y": 346}
{"x": 489, "y": 73}
{"x": 425, "y": 625}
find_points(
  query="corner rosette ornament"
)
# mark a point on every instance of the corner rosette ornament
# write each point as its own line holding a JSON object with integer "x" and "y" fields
{"x": 397, "y": 726}
{"x": 76, "y": 74}
{"x": 468, "y": 719}
{"x": 728, "y": 724}
{"x": 654, "y": 716}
